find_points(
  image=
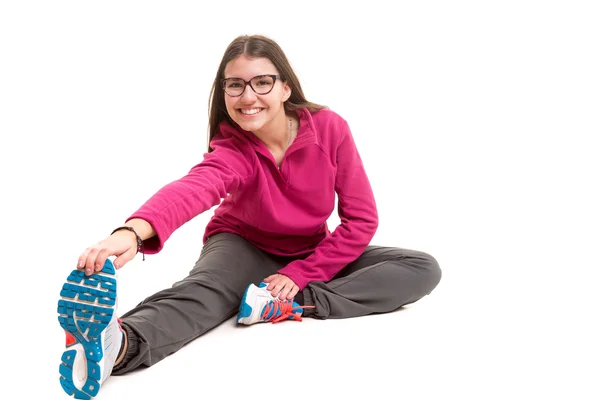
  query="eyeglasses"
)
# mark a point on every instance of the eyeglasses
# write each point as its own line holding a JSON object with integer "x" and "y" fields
{"x": 261, "y": 84}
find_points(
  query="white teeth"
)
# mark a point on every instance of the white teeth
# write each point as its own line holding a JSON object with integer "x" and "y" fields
{"x": 250, "y": 111}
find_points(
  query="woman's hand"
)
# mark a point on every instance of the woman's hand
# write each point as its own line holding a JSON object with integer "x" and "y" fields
{"x": 282, "y": 286}
{"x": 122, "y": 244}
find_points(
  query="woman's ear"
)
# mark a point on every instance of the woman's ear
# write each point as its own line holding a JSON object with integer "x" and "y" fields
{"x": 287, "y": 92}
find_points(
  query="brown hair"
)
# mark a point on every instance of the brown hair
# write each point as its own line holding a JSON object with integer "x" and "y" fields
{"x": 254, "y": 46}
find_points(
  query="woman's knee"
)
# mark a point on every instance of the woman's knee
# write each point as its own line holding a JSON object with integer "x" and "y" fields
{"x": 420, "y": 270}
{"x": 433, "y": 270}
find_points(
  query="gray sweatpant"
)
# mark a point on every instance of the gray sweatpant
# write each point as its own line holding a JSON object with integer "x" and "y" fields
{"x": 382, "y": 279}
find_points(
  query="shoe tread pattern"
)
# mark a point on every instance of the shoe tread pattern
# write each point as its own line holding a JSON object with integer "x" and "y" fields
{"x": 85, "y": 309}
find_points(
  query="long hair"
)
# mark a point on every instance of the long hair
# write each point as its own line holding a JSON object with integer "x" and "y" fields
{"x": 254, "y": 46}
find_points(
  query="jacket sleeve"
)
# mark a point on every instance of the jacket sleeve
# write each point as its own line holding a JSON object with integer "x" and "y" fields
{"x": 221, "y": 172}
{"x": 358, "y": 220}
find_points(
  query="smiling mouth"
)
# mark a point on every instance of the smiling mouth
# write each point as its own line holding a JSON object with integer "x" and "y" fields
{"x": 250, "y": 111}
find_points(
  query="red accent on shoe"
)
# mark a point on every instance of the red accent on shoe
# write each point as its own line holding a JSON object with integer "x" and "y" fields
{"x": 286, "y": 307}
{"x": 70, "y": 339}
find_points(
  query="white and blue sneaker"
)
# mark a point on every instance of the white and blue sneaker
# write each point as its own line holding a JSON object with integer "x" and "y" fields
{"x": 87, "y": 313}
{"x": 259, "y": 305}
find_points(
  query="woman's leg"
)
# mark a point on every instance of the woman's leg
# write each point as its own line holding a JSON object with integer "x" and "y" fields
{"x": 211, "y": 294}
{"x": 382, "y": 279}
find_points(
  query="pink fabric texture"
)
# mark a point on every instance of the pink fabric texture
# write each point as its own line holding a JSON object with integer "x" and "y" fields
{"x": 284, "y": 210}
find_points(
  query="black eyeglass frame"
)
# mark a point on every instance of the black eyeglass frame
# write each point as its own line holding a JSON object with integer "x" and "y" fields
{"x": 249, "y": 83}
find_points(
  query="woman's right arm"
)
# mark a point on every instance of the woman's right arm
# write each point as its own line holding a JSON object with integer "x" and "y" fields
{"x": 221, "y": 172}
{"x": 122, "y": 244}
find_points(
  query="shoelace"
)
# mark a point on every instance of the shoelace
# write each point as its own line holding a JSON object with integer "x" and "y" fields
{"x": 284, "y": 307}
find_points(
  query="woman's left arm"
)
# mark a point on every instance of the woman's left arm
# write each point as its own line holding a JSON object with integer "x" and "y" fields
{"x": 358, "y": 221}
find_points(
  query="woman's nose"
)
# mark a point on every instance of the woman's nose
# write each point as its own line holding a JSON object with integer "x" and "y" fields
{"x": 248, "y": 94}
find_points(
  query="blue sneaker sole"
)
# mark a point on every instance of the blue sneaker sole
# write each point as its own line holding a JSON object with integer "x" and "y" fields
{"x": 85, "y": 309}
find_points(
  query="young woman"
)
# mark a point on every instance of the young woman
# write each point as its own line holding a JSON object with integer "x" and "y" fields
{"x": 274, "y": 164}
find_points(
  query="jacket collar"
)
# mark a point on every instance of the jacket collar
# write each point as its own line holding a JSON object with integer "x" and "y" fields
{"x": 306, "y": 131}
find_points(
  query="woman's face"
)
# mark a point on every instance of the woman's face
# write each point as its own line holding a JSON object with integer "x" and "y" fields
{"x": 253, "y": 112}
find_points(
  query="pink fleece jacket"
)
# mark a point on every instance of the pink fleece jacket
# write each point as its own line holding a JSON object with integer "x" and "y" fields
{"x": 284, "y": 210}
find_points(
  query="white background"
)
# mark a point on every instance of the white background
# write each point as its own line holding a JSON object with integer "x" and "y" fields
{"x": 478, "y": 123}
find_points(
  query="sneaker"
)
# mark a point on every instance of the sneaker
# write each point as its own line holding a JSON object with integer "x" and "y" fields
{"x": 259, "y": 305}
{"x": 87, "y": 313}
